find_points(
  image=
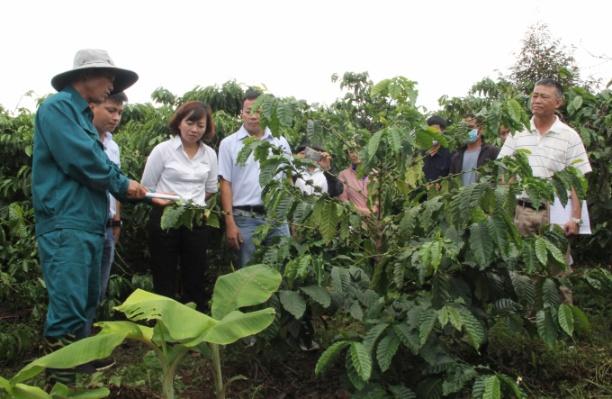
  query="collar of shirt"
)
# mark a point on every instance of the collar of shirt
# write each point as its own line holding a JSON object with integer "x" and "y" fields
{"x": 79, "y": 102}
{"x": 177, "y": 144}
{"x": 108, "y": 137}
{"x": 243, "y": 134}
{"x": 556, "y": 127}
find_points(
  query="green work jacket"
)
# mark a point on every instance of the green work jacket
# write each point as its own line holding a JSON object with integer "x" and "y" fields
{"x": 71, "y": 174}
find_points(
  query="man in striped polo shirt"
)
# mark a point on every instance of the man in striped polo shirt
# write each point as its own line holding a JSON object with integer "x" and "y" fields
{"x": 553, "y": 146}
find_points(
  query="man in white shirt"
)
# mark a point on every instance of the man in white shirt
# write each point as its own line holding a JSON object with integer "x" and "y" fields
{"x": 553, "y": 146}
{"x": 106, "y": 118}
{"x": 239, "y": 184}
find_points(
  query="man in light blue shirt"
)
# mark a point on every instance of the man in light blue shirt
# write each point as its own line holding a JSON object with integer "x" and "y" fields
{"x": 239, "y": 184}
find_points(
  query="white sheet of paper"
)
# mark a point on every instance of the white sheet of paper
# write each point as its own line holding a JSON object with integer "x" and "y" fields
{"x": 560, "y": 215}
{"x": 170, "y": 197}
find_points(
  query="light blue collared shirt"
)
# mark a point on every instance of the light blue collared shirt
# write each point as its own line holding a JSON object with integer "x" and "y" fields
{"x": 244, "y": 179}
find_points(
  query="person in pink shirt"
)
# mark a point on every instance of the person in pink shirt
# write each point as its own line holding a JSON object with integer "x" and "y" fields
{"x": 355, "y": 188}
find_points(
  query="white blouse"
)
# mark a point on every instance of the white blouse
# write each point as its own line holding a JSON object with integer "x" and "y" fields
{"x": 169, "y": 170}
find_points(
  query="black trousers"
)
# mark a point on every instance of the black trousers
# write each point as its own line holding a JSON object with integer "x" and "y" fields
{"x": 178, "y": 261}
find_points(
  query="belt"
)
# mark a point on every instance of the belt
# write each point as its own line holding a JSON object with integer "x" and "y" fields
{"x": 114, "y": 223}
{"x": 528, "y": 204}
{"x": 252, "y": 208}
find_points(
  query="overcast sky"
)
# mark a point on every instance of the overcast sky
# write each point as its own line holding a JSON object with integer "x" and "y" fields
{"x": 291, "y": 47}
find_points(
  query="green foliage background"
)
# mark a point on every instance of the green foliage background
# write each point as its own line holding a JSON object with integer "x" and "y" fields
{"x": 429, "y": 294}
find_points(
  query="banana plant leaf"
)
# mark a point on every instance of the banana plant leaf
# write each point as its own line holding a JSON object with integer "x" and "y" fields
{"x": 237, "y": 325}
{"x": 80, "y": 352}
{"x": 245, "y": 287}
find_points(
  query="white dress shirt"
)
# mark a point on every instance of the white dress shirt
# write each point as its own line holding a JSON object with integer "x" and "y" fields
{"x": 169, "y": 169}
{"x": 112, "y": 152}
{"x": 244, "y": 179}
{"x": 310, "y": 180}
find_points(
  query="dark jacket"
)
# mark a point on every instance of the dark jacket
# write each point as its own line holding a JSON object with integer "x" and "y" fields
{"x": 488, "y": 152}
{"x": 437, "y": 165}
{"x": 334, "y": 185}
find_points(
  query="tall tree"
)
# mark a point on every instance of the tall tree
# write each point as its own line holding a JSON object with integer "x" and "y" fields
{"x": 543, "y": 56}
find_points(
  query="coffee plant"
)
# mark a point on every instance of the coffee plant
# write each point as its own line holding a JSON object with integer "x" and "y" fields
{"x": 421, "y": 292}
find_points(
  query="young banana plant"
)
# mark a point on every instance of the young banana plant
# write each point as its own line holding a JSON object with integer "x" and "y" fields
{"x": 178, "y": 329}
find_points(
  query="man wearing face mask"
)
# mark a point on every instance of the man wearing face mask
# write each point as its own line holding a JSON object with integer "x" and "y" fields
{"x": 474, "y": 154}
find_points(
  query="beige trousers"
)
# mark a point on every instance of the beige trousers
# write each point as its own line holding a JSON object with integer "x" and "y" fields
{"x": 530, "y": 221}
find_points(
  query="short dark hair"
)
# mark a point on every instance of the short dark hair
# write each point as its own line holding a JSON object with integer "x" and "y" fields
{"x": 437, "y": 120}
{"x": 479, "y": 119}
{"x": 252, "y": 93}
{"x": 118, "y": 98}
{"x": 193, "y": 111}
{"x": 550, "y": 82}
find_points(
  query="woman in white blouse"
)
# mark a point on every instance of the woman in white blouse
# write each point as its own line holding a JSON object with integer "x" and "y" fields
{"x": 183, "y": 165}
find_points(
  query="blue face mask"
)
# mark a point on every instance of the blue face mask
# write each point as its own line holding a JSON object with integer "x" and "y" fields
{"x": 472, "y": 136}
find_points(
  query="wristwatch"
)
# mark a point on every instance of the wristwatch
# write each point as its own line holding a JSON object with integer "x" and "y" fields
{"x": 577, "y": 221}
{"x": 116, "y": 223}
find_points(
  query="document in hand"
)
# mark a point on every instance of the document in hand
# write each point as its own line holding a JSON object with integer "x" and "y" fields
{"x": 560, "y": 215}
{"x": 170, "y": 197}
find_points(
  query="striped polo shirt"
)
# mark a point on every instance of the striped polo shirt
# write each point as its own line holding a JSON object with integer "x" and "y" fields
{"x": 551, "y": 152}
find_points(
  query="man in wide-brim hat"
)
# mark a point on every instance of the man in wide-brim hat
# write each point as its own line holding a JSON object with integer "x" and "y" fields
{"x": 71, "y": 179}
{"x": 95, "y": 62}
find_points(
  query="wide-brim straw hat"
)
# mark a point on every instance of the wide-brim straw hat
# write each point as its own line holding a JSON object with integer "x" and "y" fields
{"x": 94, "y": 59}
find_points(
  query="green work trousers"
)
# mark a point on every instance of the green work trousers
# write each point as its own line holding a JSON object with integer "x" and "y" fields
{"x": 71, "y": 261}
